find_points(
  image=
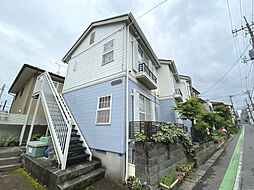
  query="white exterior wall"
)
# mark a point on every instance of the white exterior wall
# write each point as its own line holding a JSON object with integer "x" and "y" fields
{"x": 85, "y": 65}
{"x": 184, "y": 86}
{"x": 166, "y": 82}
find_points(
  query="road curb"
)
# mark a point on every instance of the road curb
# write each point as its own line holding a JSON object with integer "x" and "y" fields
{"x": 195, "y": 177}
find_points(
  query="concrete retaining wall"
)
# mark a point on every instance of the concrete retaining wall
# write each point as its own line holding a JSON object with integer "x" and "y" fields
{"x": 206, "y": 150}
{"x": 154, "y": 160}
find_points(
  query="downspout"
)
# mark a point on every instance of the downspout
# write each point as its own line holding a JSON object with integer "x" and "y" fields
{"x": 126, "y": 105}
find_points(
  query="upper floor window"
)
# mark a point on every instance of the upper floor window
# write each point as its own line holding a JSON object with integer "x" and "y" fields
{"x": 108, "y": 52}
{"x": 142, "y": 58}
{"x": 104, "y": 110}
{"x": 92, "y": 37}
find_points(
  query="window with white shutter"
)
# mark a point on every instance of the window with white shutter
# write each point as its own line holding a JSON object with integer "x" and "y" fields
{"x": 103, "y": 115}
{"x": 108, "y": 52}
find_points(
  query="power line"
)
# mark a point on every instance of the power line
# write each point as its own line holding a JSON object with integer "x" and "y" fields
{"x": 230, "y": 84}
{"x": 151, "y": 9}
{"x": 233, "y": 37}
{"x": 226, "y": 72}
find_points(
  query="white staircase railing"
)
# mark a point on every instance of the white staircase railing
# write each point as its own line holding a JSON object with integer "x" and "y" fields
{"x": 59, "y": 118}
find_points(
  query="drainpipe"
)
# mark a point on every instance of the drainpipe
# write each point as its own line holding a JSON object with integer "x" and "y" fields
{"x": 126, "y": 105}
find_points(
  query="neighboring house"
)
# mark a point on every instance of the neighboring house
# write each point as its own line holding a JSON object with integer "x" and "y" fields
{"x": 115, "y": 82}
{"x": 195, "y": 92}
{"x": 208, "y": 106}
{"x": 22, "y": 89}
{"x": 246, "y": 117}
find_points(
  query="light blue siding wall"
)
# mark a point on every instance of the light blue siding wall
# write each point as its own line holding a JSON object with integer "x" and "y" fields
{"x": 83, "y": 105}
{"x": 166, "y": 111}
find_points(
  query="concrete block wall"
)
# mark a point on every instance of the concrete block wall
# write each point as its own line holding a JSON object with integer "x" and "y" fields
{"x": 154, "y": 160}
{"x": 206, "y": 150}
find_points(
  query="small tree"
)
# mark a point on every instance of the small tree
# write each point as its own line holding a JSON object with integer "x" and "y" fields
{"x": 209, "y": 118}
{"x": 190, "y": 109}
{"x": 224, "y": 112}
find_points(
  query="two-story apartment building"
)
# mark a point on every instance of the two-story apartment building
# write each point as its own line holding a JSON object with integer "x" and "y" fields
{"x": 114, "y": 79}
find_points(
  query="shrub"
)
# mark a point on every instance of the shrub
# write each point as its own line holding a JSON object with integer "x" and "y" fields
{"x": 169, "y": 133}
{"x": 199, "y": 132}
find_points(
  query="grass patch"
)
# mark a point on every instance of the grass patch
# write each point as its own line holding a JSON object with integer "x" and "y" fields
{"x": 29, "y": 179}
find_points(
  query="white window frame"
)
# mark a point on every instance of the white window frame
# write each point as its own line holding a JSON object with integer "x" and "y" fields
{"x": 145, "y": 108}
{"x": 101, "y": 109}
{"x": 109, "y": 51}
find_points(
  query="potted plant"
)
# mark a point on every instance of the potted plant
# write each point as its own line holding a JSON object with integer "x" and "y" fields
{"x": 186, "y": 168}
{"x": 5, "y": 140}
{"x": 35, "y": 137}
{"x": 170, "y": 181}
{"x": 12, "y": 141}
{"x": 136, "y": 184}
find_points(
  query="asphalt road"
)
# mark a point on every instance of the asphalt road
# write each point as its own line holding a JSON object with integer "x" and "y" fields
{"x": 213, "y": 178}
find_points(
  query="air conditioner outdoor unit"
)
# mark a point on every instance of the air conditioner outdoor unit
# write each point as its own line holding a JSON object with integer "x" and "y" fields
{"x": 251, "y": 54}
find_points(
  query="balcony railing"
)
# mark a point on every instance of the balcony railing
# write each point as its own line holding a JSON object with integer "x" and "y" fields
{"x": 178, "y": 95}
{"x": 142, "y": 67}
{"x": 147, "y": 127}
{"x": 178, "y": 91}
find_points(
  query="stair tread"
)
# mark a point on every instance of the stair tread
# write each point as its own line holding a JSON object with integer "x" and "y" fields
{"x": 74, "y": 168}
{"x": 70, "y": 158}
{"x": 77, "y": 148}
{"x": 78, "y": 180}
{"x": 10, "y": 158}
{"x": 10, "y": 167}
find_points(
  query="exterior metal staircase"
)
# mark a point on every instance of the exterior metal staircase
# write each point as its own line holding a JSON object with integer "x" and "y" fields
{"x": 69, "y": 143}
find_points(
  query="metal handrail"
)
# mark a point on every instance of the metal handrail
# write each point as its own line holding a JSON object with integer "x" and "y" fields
{"x": 142, "y": 67}
{"x": 148, "y": 128}
{"x": 66, "y": 118}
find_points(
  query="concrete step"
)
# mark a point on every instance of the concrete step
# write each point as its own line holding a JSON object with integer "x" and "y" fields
{"x": 83, "y": 180}
{"x": 9, "y": 161}
{"x": 77, "y": 170}
{"x": 10, "y": 167}
{"x": 6, "y": 152}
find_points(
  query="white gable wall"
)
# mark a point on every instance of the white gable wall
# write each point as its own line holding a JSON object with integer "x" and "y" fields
{"x": 85, "y": 65}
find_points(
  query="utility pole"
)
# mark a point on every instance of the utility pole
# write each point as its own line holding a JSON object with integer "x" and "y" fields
{"x": 248, "y": 27}
{"x": 250, "y": 31}
{"x": 248, "y": 92}
{"x": 249, "y": 110}
{"x": 2, "y": 90}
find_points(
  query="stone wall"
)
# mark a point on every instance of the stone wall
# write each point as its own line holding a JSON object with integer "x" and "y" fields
{"x": 206, "y": 150}
{"x": 154, "y": 160}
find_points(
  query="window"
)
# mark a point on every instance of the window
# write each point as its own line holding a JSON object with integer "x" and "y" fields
{"x": 144, "y": 109}
{"x": 142, "y": 58}
{"x": 92, "y": 38}
{"x": 103, "y": 115}
{"x": 108, "y": 51}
